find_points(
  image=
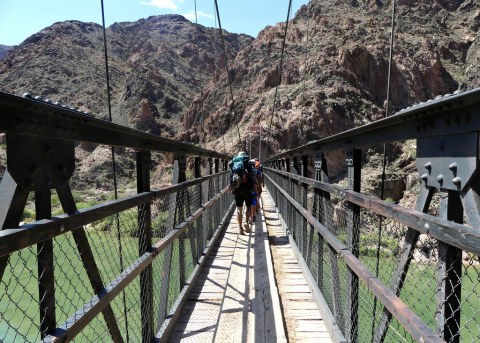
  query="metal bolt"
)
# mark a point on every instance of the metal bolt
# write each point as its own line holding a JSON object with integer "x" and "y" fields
{"x": 440, "y": 178}
{"x": 453, "y": 166}
{"x": 428, "y": 165}
{"x": 457, "y": 181}
{"x": 424, "y": 176}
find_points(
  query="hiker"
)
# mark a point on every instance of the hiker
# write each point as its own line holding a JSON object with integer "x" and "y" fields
{"x": 257, "y": 173}
{"x": 242, "y": 183}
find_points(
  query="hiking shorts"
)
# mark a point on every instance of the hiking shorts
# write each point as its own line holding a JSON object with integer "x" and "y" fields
{"x": 243, "y": 197}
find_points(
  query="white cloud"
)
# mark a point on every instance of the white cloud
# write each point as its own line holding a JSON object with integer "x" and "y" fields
{"x": 191, "y": 15}
{"x": 162, "y": 4}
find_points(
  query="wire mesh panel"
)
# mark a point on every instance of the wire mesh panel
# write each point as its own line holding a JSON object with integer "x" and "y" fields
{"x": 91, "y": 259}
{"x": 380, "y": 245}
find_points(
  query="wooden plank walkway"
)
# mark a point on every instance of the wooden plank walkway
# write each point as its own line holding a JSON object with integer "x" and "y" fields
{"x": 236, "y": 298}
{"x": 303, "y": 320}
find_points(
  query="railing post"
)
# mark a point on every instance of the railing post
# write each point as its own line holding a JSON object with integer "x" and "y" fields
{"x": 199, "y": 229}
{"x": 197, "y": 167}
{"x": 216, "y": 185}
{"x": 449, "y": 272}
{"x": 286, "y": 164}
{"x": 145, "y": 243}
{"x": 308, "y": 239}
{"x": 179, "y": 175}
{"x": 207, "y": 217}
{"x": 46, "y": 277}
{"x": 320, "y": 198}
{"x": 354, "y": 163}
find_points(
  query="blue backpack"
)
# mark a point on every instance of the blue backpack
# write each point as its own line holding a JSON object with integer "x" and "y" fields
{"x": 239, "y": 168}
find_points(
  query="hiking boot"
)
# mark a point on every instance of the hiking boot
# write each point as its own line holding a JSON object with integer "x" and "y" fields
{"x": 247, "y": 228}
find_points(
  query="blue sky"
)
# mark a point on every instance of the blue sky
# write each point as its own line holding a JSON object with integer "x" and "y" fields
{"x": 21, "y": 18}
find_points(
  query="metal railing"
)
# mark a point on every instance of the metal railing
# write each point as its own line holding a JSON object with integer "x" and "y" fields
{"x": 386, "y": 272}
{"x": 119, "y": 270}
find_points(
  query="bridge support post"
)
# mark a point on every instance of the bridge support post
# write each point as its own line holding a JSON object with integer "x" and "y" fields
{"x": 354, "y": 163}
{"x": 182, "y": 207}
{"x": 320, "y": 202}
{"x": 207, "y": 219}
{"x": 199, "y": 232}
{"x": 303, "y": 171}
{"x": 449, "y": 272}
{"x": 216, "y": 184}
{"x": 46, "y": 277}
{"x": 291, "y": 214}
{"x": 145, "y": 243}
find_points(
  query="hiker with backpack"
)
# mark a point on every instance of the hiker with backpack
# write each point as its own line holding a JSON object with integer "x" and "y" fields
{"x": 242, "y": 184}
{"x": 257, "y": 172}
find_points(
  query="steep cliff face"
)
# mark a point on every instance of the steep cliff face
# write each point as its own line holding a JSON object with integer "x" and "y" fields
{"x": 338, "y": 79}
{"x": 167, "y": 75}
{"x": 156, "y": 66}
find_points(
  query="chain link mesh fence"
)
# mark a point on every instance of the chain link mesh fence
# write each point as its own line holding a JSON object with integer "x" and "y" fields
{"x": 113, "y": 246}
{"x": 378, "y": 243}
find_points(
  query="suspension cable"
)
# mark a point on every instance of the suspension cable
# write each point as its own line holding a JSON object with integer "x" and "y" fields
{"x": 305, "y": 76}
{"x": 227, "y": 70}
{"x": 384, "y": 161}
{"x": 115, "y": 188}
{"x": 199, "y": 115}
{"x": 280, "y": 70}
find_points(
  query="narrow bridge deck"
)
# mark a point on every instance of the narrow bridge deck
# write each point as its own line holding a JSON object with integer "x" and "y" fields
{"x": 236, "y": 298}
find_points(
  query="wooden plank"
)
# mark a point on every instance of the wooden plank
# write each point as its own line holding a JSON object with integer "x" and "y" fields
{"x": 234, "y": 316}
{"x": 203, "y": 308}
{"x": 299, "y": 309}
{"x": 265, "y": 303}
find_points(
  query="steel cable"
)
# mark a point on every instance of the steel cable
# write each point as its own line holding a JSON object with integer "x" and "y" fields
{"x": 115, "y": 188}
{"x": 304, "y": 76}
{"x": 199, "y": 115}
{"x": 280, "y": 69}
{"x": 384, "y": 161}
{"x": 227, "y": 70}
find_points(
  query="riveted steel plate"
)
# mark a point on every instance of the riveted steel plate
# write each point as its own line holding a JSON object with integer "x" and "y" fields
{"x": 38, "y": 163}
{"x": 447, "y": 162}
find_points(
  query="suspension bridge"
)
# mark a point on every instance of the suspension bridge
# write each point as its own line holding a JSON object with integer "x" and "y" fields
{"x": 324, "y": 262}
{"x": 169, "y": 264}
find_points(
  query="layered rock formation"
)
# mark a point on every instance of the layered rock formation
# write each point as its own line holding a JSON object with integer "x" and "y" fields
{"x": 339, "y": 79}
{"x": 167, "y": 74}
{"x": 156, "y": 66}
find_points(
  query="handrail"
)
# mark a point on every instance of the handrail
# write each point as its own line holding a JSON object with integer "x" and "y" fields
{"x": 33, "y": 117}
{"x": 94, "y": 307}
{"x": 461, "y": 236}
{"x": 409, "y": 320}
{"x": 428, "y": 119}
{"x": 14, "y": 239}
